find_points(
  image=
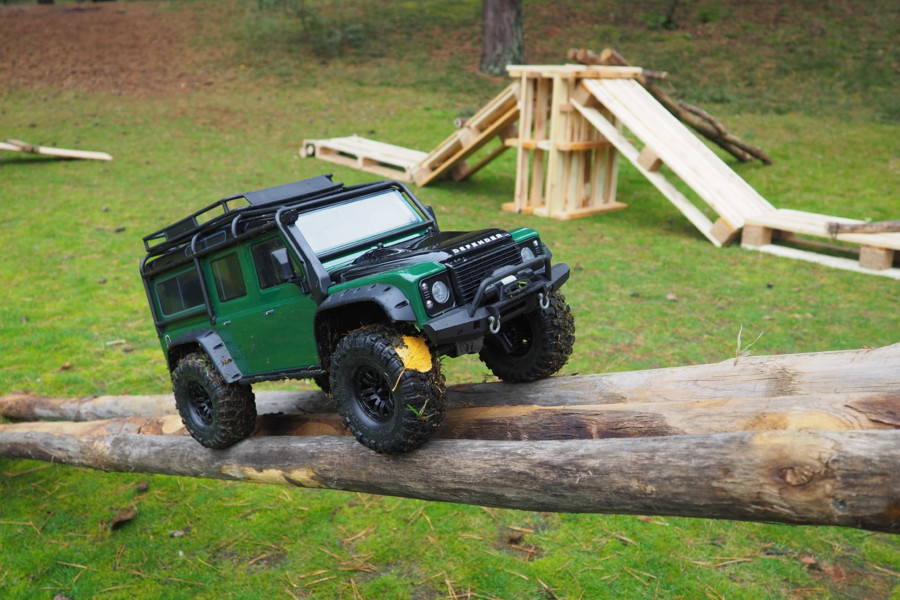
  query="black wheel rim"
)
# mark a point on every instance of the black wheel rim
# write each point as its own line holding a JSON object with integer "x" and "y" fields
{"x": 373, "y": 394}
{"x": 515, "y": 338}
{"x": 200, "y": 404}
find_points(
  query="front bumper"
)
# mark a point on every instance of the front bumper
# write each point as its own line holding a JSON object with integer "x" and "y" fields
{"x": 462, "y": 329}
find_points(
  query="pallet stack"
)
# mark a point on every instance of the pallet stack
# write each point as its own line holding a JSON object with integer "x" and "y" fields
{"x": 565, "y": 168}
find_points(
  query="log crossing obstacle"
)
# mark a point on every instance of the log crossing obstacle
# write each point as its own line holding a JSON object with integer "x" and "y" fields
{"x": 568, "y": 124}
{"x": 806, "y": 438}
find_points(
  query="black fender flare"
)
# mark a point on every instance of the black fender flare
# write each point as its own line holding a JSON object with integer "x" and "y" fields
{"x": 214, "y": 347}
{"x": 392, "y": 301}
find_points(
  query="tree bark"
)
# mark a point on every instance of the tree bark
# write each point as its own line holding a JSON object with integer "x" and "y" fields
{"x": 501, "y": 35}
{"x": 808, "y": 477}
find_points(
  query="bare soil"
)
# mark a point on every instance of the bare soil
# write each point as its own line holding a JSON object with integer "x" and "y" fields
{"x": 129, "y": 49}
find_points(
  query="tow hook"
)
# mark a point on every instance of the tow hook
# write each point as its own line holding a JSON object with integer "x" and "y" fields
{"x": 544, "y": 301}
{"x": 494, "y": 324}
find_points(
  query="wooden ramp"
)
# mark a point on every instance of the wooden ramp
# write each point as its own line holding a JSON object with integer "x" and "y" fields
{"x": 667, "y": 141}
{"x": 360, "y": 153}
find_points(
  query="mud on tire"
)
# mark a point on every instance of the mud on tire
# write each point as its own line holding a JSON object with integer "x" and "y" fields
{"x": 388, "y": 407}
{"x": 532, "y": 346}
{"x": 217, "y": 414}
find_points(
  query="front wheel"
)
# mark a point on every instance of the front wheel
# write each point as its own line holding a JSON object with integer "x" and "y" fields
{"x": 388, "y": 388}
{"x": 217, "y": 414}
{"x": 534, "y": 345}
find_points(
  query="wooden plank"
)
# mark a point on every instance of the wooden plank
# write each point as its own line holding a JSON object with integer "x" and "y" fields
{"x": 469, "y": 171}
{"x": 621, "y": 143}
{"x": 688, "y": 168}
{"x": 724, "y": 232}
{"x": 526, "y": 120}
{"x": 642, "y": 103}
{"x": 541, "y": 113}
{"x": 555, "y": 189}
{"x": 20, "y": 146}
{"x": 574, "y": 71}
{"x": 835, "y": 262}
{"x": 689, "y": 158}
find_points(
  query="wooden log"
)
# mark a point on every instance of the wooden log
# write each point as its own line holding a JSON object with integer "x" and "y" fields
{"x": 826, "y": 412}
{"x": 864, "y": 371}
{"x": 695, "y": 117}
{"x": 810, "y": 477}
{"x": 871, "y": 227}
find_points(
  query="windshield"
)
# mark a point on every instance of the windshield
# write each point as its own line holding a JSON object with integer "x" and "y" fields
{"x": 356, "y": 220}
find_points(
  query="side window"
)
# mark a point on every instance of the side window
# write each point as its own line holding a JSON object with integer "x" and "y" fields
{"x": 227, "y": 274}
{"x": 179, "y": 293}
{"x": 273, "y": 266}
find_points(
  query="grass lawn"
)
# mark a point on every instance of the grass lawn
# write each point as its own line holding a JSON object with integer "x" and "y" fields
{"x": 70, "y": 233}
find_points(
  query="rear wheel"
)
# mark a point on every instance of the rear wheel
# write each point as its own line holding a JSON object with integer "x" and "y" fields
{"x": 534, "y": 345}
{"x": 388, "y": 388}
{"x": 217, "y": 414}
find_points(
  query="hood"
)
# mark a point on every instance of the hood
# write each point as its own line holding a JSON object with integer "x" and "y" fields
{"x": 434, "y": 247}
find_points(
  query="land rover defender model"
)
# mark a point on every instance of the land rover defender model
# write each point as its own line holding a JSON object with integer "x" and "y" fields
{"x": 354, "y": 287}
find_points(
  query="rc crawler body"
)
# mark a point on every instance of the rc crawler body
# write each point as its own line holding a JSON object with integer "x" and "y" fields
{"x": 355, "y": 287}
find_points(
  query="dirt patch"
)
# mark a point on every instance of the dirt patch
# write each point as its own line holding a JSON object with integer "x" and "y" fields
{"x": 133, "y": 49}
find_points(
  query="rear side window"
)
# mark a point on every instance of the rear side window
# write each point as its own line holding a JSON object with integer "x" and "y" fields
{"x": 229, "y": 280}
{"x": 273, "y": 266}
{"x": 179, "y": 293}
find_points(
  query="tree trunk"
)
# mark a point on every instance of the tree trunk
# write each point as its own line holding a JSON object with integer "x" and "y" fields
{"x": 808, "y": 477}
{"x": 872, "y": 227}
{"x": 501, "y": 35}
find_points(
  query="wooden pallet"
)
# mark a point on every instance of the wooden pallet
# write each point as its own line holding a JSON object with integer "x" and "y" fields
{"x": 877, "y": 251}
{"x": 565, "y": 168}
{"x": 493, "y": 121}
{"x": 360, "y": 153}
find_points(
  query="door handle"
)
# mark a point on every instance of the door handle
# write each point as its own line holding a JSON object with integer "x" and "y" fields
{"x": 269, "y": 312}
{"x": 226, "y": 323}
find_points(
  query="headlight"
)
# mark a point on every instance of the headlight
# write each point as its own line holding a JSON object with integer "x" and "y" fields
{"x": 527, "y": 254}
{"x": 440, "y": 292}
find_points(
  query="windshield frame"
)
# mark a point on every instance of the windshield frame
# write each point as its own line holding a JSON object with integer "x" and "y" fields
{"x": 426, "y": 222}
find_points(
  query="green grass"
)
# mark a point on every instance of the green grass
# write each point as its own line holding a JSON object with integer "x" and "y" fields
{"x": 71, "y": 286}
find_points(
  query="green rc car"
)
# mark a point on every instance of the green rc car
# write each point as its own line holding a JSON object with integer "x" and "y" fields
{"x": 354, "y": 287}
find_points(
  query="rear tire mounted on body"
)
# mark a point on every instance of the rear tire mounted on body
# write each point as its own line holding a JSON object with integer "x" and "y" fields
{"x": 217, "y": 414}
{"x": 389, "y": 407}
{"x": 534, "y": 345}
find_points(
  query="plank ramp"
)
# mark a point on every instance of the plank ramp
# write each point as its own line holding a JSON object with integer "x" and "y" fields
{"x": 364, "y": 154}
{"x": 670, "y": 142}
{"x": 492, "y": 121}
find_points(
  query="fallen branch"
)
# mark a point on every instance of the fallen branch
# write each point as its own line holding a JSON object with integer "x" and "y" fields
{"x": 871, "y": 227}
{"x": 809, "y": 477}
{"x": 701, "y": 121}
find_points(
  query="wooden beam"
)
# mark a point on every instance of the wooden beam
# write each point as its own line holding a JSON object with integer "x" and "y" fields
{"x": 879, "y": 259}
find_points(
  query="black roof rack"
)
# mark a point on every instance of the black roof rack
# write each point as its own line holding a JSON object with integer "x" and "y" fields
{"x": 181, "y": 230}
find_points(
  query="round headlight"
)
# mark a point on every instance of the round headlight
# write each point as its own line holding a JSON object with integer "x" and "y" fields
{"x": 440, "y": 292}
{"x": 527, "y": 254}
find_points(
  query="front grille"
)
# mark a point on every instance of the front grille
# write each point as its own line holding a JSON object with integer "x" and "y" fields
{"x": 470, "y": 270}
